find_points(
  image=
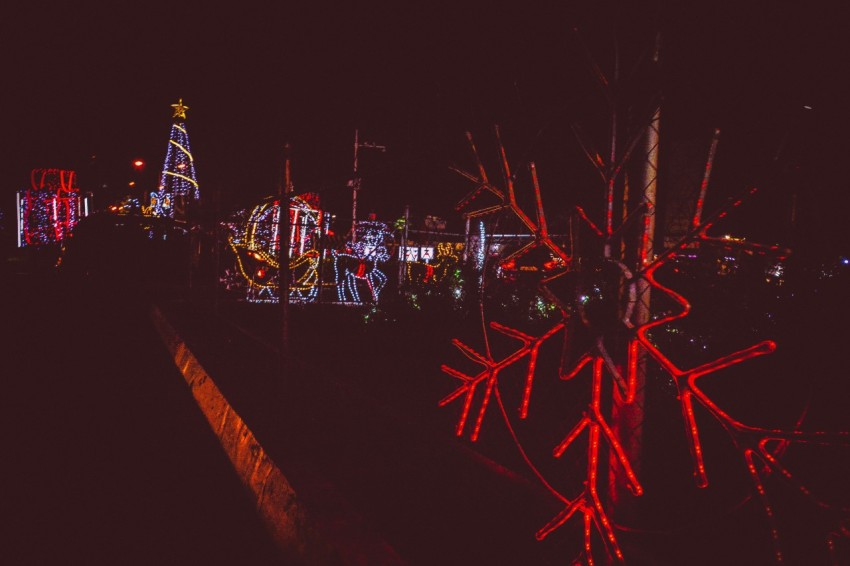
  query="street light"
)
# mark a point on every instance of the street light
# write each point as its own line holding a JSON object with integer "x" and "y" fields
{"x": 136, "y": 185}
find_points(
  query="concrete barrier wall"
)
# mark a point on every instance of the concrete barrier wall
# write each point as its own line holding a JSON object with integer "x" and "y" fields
{"x": 277, "y": 502}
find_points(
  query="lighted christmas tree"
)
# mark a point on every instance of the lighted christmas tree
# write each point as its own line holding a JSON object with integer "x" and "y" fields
{"x": 178, "y": 185}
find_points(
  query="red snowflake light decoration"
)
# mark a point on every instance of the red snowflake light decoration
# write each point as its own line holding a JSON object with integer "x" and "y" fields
{"x": 753, "y": 443}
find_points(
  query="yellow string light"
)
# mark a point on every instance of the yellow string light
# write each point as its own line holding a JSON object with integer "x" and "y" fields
{"x": 179, "y": 109}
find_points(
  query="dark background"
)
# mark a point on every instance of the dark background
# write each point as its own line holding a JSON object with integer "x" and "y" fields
{"x": 89, "y": 87}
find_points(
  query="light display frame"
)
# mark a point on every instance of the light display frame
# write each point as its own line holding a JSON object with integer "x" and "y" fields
{"x": 49, "y": 209}
{"x": 255, "y": 243}
{"x": 359, "y": 262}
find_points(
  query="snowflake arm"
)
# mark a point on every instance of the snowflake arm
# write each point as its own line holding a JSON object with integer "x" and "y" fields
{"x": 489, "y": 375}
{"x": 589, "y": 502}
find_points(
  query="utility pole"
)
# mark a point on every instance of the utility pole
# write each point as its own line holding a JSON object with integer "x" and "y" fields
{"x": 466, "y": 241}
{"x": 217, "y": 237}
{"x": 402, "y": 261}
{"x": 284, "y": 191}
{"x": 612, "y": 158}
{"x": 355, "y": 180}
{"x": 627, "y": 418}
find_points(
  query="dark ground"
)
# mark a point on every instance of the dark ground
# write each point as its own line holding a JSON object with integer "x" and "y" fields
{"x": 359, "y": 400}
{"x": 107, "y": 459}
{"x": 354, "y": 412}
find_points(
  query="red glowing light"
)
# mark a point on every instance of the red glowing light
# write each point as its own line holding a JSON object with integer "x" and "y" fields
{"x": 751, "y": 442}
{"x": 530, "y": 347}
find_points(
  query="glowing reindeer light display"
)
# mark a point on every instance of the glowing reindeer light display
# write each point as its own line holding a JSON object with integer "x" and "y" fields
{"x": 358, "y": 265}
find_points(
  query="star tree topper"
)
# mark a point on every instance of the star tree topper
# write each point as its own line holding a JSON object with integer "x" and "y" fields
{"x": 179, "y": 109}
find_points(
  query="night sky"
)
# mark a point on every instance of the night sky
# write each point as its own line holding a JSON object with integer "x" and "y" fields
{"x": 89, "y": 87}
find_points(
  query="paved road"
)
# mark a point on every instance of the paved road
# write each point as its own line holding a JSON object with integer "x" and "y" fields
{"x": 106, "y": 457}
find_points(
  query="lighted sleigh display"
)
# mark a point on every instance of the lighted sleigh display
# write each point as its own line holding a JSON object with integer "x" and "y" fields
{"x": 255, "y": 242}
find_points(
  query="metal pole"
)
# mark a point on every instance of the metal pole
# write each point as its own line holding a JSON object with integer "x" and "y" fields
{"x": 20, "y": 215}
{"x": 323, "y": 250}
{"x": 355, "y": 181}
{"x": 650, "y": 192}
{"x": 627, "y": 418}
{"x": 284, "y": 190}
{"x": 355, "y": 186}
{"x": 612, "y": 160}
{"x": 402, "y": 262}
{"x": 705, "y": 178}
{"x": 466, "y": 242}
{"x": 217, "y": 235}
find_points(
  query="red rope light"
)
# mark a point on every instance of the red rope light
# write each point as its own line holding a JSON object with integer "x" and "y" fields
{"x": 751, "y": 442}
{"x": 530, "y": 347}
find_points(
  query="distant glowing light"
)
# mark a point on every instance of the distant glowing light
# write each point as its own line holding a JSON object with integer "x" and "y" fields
{"x": 482, "y": 238}
{"x": 184, "y": 177}
{"x": 49, "y": 209}
{"x": 183, "y": 149}
{"x": 179, "y": 109}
